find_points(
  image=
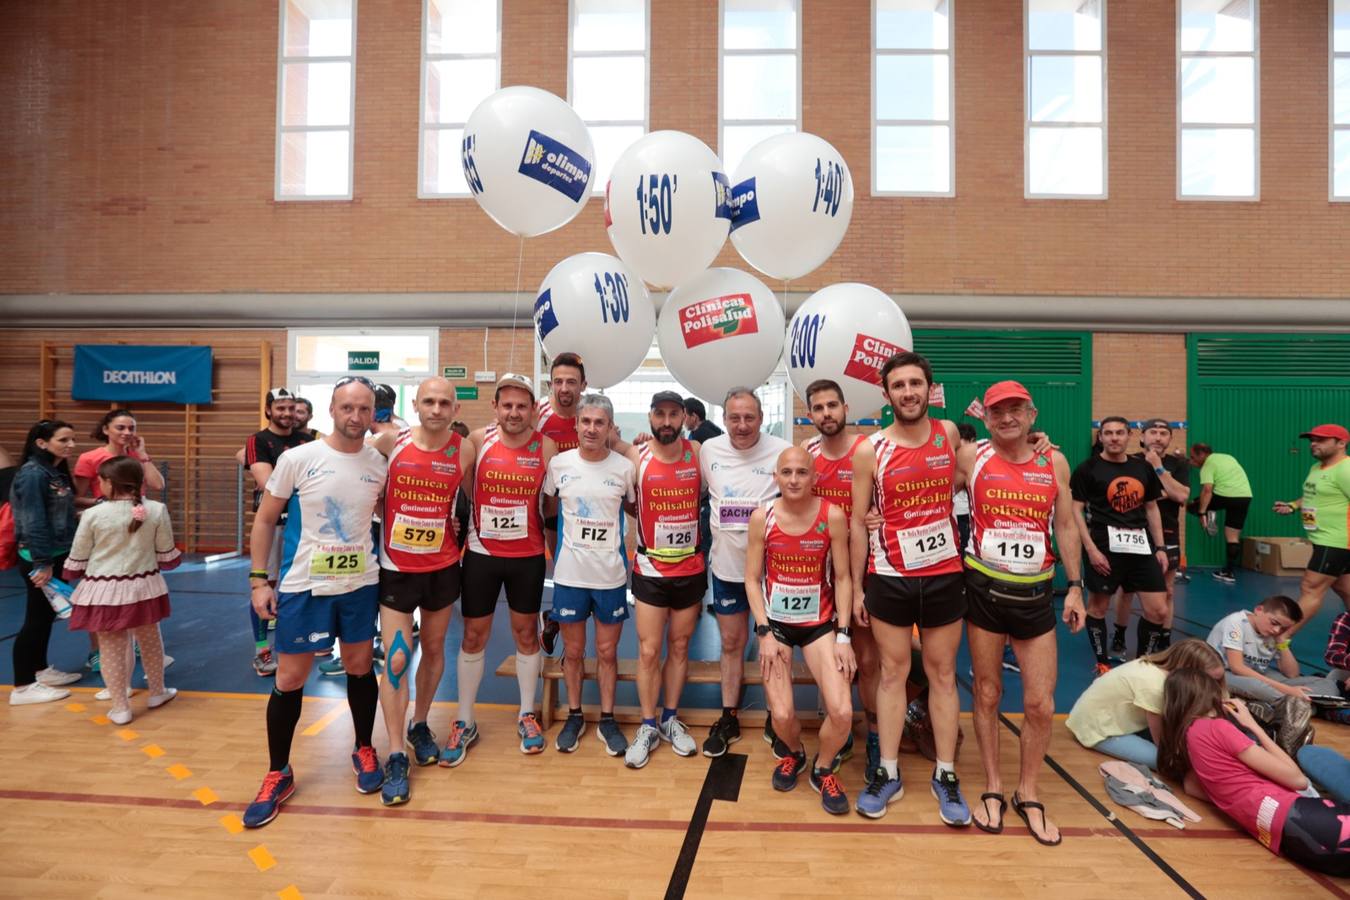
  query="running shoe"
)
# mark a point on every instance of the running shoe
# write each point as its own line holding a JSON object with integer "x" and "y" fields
{"x": 548, "y": 633}
{"x": 611, "y": 736}
{"x": 771, "y": 738}
{"x": 570, "y": 735}
{"x": 1183, "y": 577}
{"x": 92, "y": 663}
{"x": 881, "y": 793}
{"x": 457, "y": 745}
{"x": 396, "y": 789}
{"x": 265, "y": 664}
{"x": 1211, "y": 520}
{"x": 423, "y": 743}
{"x": 788, "y": 770}
{"x": 332, "y": 666}
{"x": 531, "y": 736}
{"x": 1010, "y": 660}
{"x": 724, "y": 732}
{"x": 1118, "y": 648}
{"x": 844, "y": 755}
{"x": 673, "y": 732}
{"x": 832, "y": 797}
{"x": 872, "y": 757}
{"x": 366, "y": 765}
{"x": 1100, "y": 670}
{"x": 1225, "y": 577}
{"x": 952, "y": 809}
{"x": 647, "y": 739}
{"x": 276, "y": 789}
{"x": 52, "y": 677}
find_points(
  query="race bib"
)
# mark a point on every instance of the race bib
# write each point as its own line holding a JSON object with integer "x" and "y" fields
{"x": 675, "y": 535}
{"x": 794, "y": 604}
{"x": 1309, "y": 516}
{"x": 585, "y": 533}
{"x": 503, "y": 523}
{"x": 734, "y": 515}
{"x": 337, "y": 562}
{"x": 413, "y": 535}
{"x": 927, "y": 545}
{"x": 1127, "y": 540}
{"x": 1020, "y": 551}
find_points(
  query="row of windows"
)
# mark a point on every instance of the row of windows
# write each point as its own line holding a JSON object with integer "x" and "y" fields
{"x": 760, "y": 77}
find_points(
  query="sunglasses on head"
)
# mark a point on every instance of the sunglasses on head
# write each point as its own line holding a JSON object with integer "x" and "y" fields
{"x": 359, "y": 379}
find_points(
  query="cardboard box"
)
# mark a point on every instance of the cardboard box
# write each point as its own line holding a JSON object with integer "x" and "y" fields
{"x": 1276, "y": 555}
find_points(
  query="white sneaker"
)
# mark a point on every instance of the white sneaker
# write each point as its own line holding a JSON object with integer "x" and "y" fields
{"x": 120, "y": 716}
{"x": 160, "y": 699}
{"x": 37, "y": 692}
{"x": 55, "y": 677}
{"x": 106, "y": 694}
{"x": 674, "y": 732}
{"x": 645, "y": 741}
{"x": 168, "y": 660}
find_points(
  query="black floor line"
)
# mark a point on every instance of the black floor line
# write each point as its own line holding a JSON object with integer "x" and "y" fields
{"x": 723, "y": 782}
{"x": 1140, "y": 844}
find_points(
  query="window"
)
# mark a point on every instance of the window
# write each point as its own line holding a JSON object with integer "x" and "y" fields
{"x": 1217, "y": 100}
{"x": 912, "y": 147}
{"x": 760, "y": 76}
{"x": 607, "y": 76}
{"x": 316, "y": 97}
{"x": 461, "y": 44}
{"x": 319, "y": 357}
{"x": 1340, "y": 99}
{"x": 1065, "y": 83}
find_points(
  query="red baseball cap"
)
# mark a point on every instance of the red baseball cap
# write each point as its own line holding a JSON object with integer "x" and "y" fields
{"x": 1005, "y": 390}
{"x": 1335, "y": 432}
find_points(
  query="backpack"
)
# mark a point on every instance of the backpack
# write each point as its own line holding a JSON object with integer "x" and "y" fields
{"x": 9, "y": 544}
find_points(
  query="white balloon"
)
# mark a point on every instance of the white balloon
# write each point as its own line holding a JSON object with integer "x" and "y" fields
{"x": 528, "y": 159}
{"x": 791, "y": 201}
{"x": 720, "y": 329}
{"x": 668, "y": 207}
{"x": 592, "y": 305}
{"x": 845, "y": 332}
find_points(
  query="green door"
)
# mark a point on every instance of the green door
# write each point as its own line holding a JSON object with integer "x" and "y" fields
{"x": 1251, "y": 395}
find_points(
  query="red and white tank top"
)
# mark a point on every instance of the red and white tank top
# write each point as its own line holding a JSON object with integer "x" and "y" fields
{"x": 506, "y": 520}
{"x": 419, "y": 501}
{"x": 1012, "y": 508}
{"x": 834, "y": 477}
{"x": 561, "y": 429}
{"x": 913, "y": 491}
{"x": 798, "y": 578}
{"x": 667, "y": 514}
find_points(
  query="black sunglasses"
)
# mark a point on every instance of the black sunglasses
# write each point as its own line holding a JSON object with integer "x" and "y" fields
{"x": 359, "y": 379}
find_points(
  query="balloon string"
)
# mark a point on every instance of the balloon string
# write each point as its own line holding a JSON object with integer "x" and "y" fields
{"x": 515, "y": 306}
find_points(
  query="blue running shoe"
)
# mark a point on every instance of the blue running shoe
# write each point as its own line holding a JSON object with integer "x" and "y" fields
{"x": 872, "y": 757}
{"x": 276, "y": 789}
{"x": 881, "y": 793}
{"x": 952, "y": 807}
{"x": 531, "y": 735}
{"x": 611, "y": 736}
{"x": 788, "y": 770}
{"x": 423, "y": 743}
{"x": 395, "y": 789}
{"x": 832, "y": 797}
{"x": 366, "y": 765}
{"x": 1010, "y": 660}
{"x": 457, "y": 745}
{"x": 570, "y": 735}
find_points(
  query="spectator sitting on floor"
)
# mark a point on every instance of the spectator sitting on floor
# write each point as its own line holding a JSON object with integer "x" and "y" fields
{"x": 1250, "y": 641}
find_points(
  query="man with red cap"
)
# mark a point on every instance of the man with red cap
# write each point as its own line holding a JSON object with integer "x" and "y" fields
{"x": 1019, "y": 499}
{"x": 1325, "y": 511}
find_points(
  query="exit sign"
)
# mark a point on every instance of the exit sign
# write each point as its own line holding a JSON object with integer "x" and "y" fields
{"x": 466, "y": 392}
{"x": 456, "y": 373}
{"x": 363, "y": 360}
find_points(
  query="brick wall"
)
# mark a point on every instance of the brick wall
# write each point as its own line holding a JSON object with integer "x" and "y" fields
{"x": 1140, "y": 376}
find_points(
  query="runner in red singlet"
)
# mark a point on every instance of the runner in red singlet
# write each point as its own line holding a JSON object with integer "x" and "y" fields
{"x": 556, "y": 418}
{"x": 1019, "y": 499}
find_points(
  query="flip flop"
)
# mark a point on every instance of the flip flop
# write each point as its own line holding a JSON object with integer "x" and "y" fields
{"x": 1021, "y": 806}
{"x": 1002, "y": 808}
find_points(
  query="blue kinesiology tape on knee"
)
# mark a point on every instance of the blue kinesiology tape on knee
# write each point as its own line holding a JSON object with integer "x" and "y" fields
{"x": 396, "y": 675}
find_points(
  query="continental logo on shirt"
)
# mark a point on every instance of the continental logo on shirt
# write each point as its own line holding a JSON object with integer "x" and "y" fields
{"x": 1125, "y": 494}
{"x": 717, "y": 318}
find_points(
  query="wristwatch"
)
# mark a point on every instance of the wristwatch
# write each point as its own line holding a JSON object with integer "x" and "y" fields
{"x": 1075, "y": 582}
{"x": 762, "y": 630}
{"x": 845, "y": 631}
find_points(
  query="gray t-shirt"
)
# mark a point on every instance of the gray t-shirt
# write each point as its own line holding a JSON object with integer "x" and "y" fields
{"x": 1235, "y": 632}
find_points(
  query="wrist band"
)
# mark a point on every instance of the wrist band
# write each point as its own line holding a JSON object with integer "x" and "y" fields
{"x": 258, "y": 573}
{"x": 1283, "y": 645}
{"x": 1160, "y": 470}
{"x": 841, "y": 638}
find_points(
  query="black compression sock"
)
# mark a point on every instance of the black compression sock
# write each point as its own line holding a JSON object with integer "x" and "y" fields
{"x": 1232, "y": 554}
{"x": 363, "y": 696}
{"x": 573, "y": 711}
{"x": 283, "y": 714}
{"x": 1096, "y": 632}
{"x": 1146, "y": 638}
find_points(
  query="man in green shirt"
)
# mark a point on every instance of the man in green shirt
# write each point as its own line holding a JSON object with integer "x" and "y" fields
{"x": 1325, "y": 511}
{"x": 1223, "y": 486}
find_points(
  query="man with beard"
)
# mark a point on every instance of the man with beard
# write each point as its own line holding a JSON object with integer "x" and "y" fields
{"x": 1325, "y": 511}
{"x": 669, "y": 577}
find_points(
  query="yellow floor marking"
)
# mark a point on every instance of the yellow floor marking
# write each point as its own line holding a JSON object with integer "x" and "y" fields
{"x": 75, "y": 707}
{"x": 99, "y": 719}
{"x": 327, "y": 719}
{"x": 231, "y": 823}
{"x": 261, "y": 858}
{"x": 205, "y": 796}
{"x": 127, "y": 734}
{"x": 290, "y": 892}
{"x": 179, "y": 771}
{"x": 154, "y": 751}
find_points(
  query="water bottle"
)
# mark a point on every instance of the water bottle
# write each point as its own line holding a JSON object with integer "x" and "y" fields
{"x": 58, "y": 594}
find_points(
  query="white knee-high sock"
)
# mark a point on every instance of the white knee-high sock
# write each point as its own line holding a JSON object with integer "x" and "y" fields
{"x": 528, "y": 667}
{"x": 469, "y": 670}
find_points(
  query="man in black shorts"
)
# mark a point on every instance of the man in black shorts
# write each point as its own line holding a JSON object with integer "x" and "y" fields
{"x": 1124, "y": 543}
{"x": 1223, "y": 487}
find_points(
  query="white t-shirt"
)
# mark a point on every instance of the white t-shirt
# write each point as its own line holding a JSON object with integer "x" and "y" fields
{"x": 590, "y": 552}
{"x": 1235, "y": 632}
{"x": 331, "y": 495}
{"x": 739, "y": 481}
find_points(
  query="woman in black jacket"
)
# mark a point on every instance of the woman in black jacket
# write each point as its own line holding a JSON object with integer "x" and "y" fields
{"x": 42, "y": 499}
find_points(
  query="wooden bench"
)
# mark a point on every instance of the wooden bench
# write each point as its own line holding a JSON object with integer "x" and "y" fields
{"x": 700, "y": 672}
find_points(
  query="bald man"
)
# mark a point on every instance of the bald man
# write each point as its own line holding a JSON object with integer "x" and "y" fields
{"x": 797, "y": 580}
{"x": 419, "y": 568}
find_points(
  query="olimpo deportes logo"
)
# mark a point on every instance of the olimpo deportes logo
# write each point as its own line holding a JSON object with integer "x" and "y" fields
{"x": 556, "y": 165}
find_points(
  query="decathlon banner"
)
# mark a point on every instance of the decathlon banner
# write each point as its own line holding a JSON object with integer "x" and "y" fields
{"x": 124, "y": 373}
